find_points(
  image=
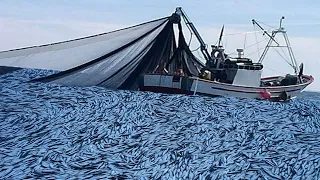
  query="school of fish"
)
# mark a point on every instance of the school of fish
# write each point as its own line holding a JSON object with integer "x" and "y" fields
{"x": 51, "y": 131}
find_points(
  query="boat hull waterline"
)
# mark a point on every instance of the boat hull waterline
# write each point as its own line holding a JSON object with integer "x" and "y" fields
{"x": 192, "y": 85}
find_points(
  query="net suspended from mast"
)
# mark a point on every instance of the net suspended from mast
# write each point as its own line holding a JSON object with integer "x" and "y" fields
{"x": 113, "y": 60}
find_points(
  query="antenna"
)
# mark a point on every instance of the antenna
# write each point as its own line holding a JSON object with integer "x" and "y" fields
{"x": 221, "y": 34}
{"x": 282, "y": 18}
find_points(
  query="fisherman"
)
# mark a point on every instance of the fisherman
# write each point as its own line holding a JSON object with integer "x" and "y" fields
{"x": 179, "y": 71}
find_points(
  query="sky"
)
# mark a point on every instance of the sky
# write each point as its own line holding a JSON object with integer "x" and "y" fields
{"x": 34, "y": 22}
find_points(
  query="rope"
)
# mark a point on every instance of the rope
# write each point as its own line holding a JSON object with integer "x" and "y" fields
{"x": 201, "y": 57}
{"x": 196, "y": 49}
{"x": 285, "y": 54}
{"x": 195, "y": 89}
{"x": 249, "y": 32}
{"x": 275, "y": 70}
{"x": 256, "y": 40}
{"x": 256, "y": 43}
{"x": 190, "y": 39}
{"x": 244, "y": 44}
{"x": 185, "y": 22}
{"x": 247, "y": 47}
{"x": 226, "y": 39}
{"x": 266, "y": 24}
{"x": 284, "y": 58}
{"x": 255, "y": 52}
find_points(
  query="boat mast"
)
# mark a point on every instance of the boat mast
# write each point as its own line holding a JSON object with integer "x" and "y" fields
{"x": 190, "y": 25}
{"x": 272, "y": 39}
{"x": 220, "y": 37}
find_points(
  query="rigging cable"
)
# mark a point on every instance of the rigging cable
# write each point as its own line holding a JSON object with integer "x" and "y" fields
{"x": 185, "y": 22}
{"x": 200, "y": 57}
{"x": 285, "y": 54}
{"x": 244, "y": 44}
{"x": 249, "y": 32}
{"x": 255, "y": 43}
{"x": 196, "y": 49}
{"x": 275, "y": 70}
{"x": 284, "y": 58}
{"x": 254, "y": 27}
{"x": 190, "y": 39}
{"x": 225, "y": 47}
{"x": 255, "y": 52}
{"x": 266, "y": 24}
{"x": 247, "y": 47}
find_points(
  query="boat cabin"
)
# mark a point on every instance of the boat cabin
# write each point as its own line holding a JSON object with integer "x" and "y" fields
{"x": 236, "y": 71}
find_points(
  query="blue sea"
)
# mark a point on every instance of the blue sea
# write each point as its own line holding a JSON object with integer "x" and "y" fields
{"x": 50, "y": 131}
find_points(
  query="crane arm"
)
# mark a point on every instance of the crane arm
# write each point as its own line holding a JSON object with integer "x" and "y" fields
{"x": 190, "y": 25}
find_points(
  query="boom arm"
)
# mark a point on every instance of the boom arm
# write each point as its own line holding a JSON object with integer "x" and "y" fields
{"x": 203, "y": 46}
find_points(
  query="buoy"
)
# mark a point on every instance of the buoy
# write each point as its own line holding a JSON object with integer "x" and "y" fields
{"x": 265, "y": 94}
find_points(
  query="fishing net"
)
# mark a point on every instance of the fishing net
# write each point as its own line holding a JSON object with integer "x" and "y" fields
{"x": 114, "y": 60}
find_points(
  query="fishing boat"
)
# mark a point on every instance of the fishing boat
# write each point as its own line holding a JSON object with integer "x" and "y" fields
{"x": 147, "y": 57}
{"x": 223, "y": 75}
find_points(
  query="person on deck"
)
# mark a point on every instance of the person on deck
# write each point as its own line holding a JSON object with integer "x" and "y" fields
{"x": 179, "y": 71}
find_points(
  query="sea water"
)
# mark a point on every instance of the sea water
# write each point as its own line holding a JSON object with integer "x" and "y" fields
{"x": 52, "y": 131}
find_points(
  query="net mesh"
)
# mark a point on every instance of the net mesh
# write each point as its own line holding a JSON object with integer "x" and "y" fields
{"x": 114, "y": 60}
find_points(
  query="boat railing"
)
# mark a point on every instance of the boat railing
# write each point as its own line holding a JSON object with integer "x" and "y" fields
{"x": 240, "y": 66}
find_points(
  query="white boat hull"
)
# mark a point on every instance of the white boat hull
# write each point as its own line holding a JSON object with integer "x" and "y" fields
{"x": 192, "y": 85}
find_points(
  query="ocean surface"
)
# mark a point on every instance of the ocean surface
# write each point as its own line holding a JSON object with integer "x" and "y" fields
{"x": 51, "y": 131}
